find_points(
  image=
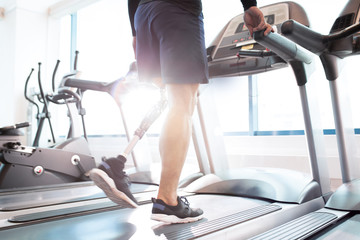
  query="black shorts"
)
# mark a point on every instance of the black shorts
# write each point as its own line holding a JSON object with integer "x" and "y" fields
{"x": 170, "y": 44}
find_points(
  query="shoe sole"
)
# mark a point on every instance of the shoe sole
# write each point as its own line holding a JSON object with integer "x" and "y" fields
{"x": 105, "y": 183}
{"x": 174, "y": 219}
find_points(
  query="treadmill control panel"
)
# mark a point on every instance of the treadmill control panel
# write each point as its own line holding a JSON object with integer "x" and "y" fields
{"x": 349, "y": 17}
{"x": 223, "y": 53}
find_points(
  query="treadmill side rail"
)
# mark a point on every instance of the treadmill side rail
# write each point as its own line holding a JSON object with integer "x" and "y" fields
{"x": 264, "y": 183}
{"x": 346, "y": 197}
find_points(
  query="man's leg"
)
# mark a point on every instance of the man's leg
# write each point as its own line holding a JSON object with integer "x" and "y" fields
{"x": 175, "y": 138}
{"x": 174, "y": 143}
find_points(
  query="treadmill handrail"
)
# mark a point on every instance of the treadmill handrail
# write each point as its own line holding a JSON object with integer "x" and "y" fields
{"x": 297, "y": 32}
{"x": 90, "y": 85}
{"x": 255, "y": 53}
{"x": 285, "y": 48}
{"x": 301, "y": 61}
{"x": 312, "y": 40}
{"x": 347, "y": 32}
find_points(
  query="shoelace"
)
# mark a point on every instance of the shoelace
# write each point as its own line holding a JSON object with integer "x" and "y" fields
{"x": 185, "y": 201}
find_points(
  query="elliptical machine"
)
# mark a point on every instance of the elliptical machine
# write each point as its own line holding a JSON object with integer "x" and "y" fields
{"x": 29, "y": 166}
{"x": 24, "y": 166}
{"x": 69, "y": 161}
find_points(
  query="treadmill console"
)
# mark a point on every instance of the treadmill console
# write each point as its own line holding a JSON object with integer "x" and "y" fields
{"x": 223, "y": 54}
{"x": 350, "y": 15}
{"x": 349, "y": 18}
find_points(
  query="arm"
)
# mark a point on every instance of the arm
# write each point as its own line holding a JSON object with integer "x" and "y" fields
{"x": 254, "y": 18}
{"x": 248, "y": 4}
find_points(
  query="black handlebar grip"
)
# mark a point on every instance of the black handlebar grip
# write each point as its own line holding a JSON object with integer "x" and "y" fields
{"x": 39, "y": 82}
{"x": 54, "y": 74}
{"x": 21, "y": 125}
{"x": 16, "y": 126}
{"x": 87, "y": 85}
{"x": 76, "y": 59}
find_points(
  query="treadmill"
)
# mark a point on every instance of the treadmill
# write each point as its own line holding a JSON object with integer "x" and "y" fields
{"x": 252, "y": 200}
{"x": 342, "y": 209}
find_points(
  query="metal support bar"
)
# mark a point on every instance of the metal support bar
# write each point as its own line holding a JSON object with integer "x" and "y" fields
{"x": 253, "y": 105}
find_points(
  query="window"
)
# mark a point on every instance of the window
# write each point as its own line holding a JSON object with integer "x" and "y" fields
{"x": 104, "y": 40}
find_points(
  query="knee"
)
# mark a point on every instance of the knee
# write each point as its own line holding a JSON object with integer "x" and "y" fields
{"x": 183, "y": 98}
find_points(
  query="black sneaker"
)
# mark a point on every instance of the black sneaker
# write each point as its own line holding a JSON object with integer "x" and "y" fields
{"x": 182, "y": 213}
{"x": 111, "y": 178}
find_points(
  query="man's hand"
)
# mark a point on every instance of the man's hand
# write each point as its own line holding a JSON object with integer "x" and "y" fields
{"x": 254, "y": 21}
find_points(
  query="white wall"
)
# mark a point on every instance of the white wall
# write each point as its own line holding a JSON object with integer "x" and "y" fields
{"x": 28, "y": 36}
{"x": 7, "y": 58}
{"x": 29, "y": 33}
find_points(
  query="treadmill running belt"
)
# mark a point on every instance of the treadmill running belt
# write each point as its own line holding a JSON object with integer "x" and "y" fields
{"x": 205, "y": 228}
{"x": 53, "y": 196}
{"x": 61, "y": 213}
